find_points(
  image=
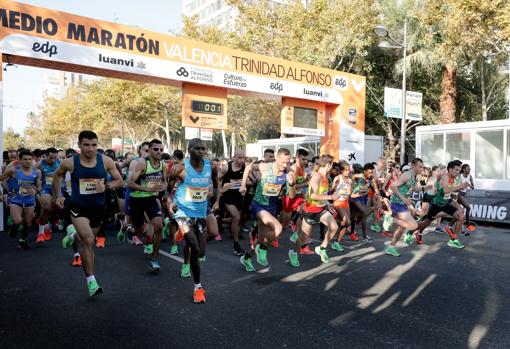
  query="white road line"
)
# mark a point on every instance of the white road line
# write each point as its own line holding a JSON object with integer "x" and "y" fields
{"x": 166, "y": 254}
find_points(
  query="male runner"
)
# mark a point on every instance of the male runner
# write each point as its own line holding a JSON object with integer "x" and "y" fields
{"x": 400, "y": 200}
{"x": 231, "y": 178}
{"x": 361, "y": 182}
{"x": 146, "y": 179}
{"x": 264, "y": 205}
{"x": 268, "y": 155}
{"x": 442, "y": 204}
{"x": 190, "y": 199}
{"x": 48, "y": 167}
{"x": 342, "y": 186}
{"x": 24, "y": 184}
{"x": 316, "y": 212}
{"x": 87, "y": 203}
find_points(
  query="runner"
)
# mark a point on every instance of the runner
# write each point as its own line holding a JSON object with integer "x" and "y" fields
{"x": 402, "y": 190}
{"x": 24, "y": 182}
{"x": 146, "y": 179}
{"x": 47, "y": 167}
{"x": 190, "y": 199}
{"x": 316, "y": 212}
{"x": 442, "y": 204}
{"x": 465, "y": 177}
{"x": 362, "y": 180}
{"x": 268, "y": 155}
{"x": 293, "y": 208}
{"x": 342, "y": 187}
{"x": 264, "y": 205}
{"x": 231, "y": 178}
{"x": 88, "y": 175}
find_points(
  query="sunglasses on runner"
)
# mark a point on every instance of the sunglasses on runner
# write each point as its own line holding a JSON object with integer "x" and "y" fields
{"x": 199, "y": 148}
{"x": 157, "y": 149}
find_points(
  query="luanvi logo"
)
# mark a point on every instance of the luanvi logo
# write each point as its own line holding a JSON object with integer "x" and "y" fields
{"x": 182, "y": 72}
{"x": 45, "y": 48}
{"x": 116, "y": 61}
{"x": 277, "y": 86}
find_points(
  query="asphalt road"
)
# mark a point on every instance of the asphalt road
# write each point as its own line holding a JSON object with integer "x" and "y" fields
{"x": 431, "y": 297}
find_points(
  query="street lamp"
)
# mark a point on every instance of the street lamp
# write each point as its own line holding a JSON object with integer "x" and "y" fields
{"x": 381, "y": 31}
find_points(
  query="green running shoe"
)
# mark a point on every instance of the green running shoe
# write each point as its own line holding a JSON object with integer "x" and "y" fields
{"x": 148, "y": 249}
{"x": 68, "y": 240}
{"x": 202, "y": 259}
{"x": 323, "y": 253}
{"x": 121, "y": 236}
{"x": 261, "y": 256}
{"x": 455, "y": 244}
{"x": 336, "y": 246}
{"x": 376, "y": 227}
{"x": 390, "y": 250}
{"x": 387, "y": 222}
{"x": 294, "y": 237}
{"x": 247, "y": 264}
{"x": 185, "y": 271}
{"x": 294, "y": 260}
{"x": 94, "y": 288}
{"x": 174, "y": 250}
{"x": 409, "y": 237}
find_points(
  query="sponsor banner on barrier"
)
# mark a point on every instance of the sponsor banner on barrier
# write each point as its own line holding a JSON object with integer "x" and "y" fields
{"x": 486, "y": 206}
{"x": 36, "y": 32}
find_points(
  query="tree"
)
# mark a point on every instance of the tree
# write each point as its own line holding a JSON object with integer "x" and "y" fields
{"x": 12, "y": 139}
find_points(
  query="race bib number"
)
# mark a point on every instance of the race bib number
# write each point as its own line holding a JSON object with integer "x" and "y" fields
{"x": 235, "y": 184}
{"x": 25, "y": 190}
{"x": 271, "y": 189}
{"x": 196, "y": 194}
{"x": 89, "y": 185}
{"x": 49, "y": 180}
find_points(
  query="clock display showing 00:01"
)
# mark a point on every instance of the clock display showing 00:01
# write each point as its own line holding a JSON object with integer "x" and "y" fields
{"x": 207, "y": 107}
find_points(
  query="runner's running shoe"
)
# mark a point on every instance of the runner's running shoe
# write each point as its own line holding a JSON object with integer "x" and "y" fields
{"x": 387, "y": 234}
{"x": 40, "y": 239}
{"x": 76, "y": 261}
{"x": 294, "y": 260}
{"x": 408, "y": 237}
{"x": 337, "y": 247}
{"x": 376, "y": 227}
{"x": 199, "y": 295}
{"x": 238, "y": 251}
{"x": 68, "y": 240}
{"x": 390, "y": 250}
{"x": 367, "y": 239}
{"x": 148, "y": 249}
{"x": 455, "y": 244}
{"x": 261, "y": 256}
{"x": 94, "y": 288}
{"x": 153, "y": 265}
{"x": 247, "y": 264}
{"x": 387, "y": 222}
{"x": 202, "y": 259}
{"x": 121, "y": 236}
{"x": 294, "y": 237}
{"x": 47, "y": 233}
{"x": 323, "y": 253}
{"x": 419, "y": 238}
{"x": 174, "y": 250}
{"x": 306, "y": 250}
{"x": 218, "y": 237}
{"x": 354, "y": 237}
{"x": 137, "y": 241}
{"x": 100, "y": 241}
{"x": 185, "y": 271}
{"x": 23, "y": 244}
{"x": 275, "y": 243}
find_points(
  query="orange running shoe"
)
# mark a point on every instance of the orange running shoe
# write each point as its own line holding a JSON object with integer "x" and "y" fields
{"x": 199, "y": 295}
{"x": 354, "y": 237}
{"x": 40, "y": 239}
{"x": 387, "y": 234}
{"x": 77, "y": 261}
{"x": 305, "y": 250}
{"x": 275, "y": 243}
{"x": 47, "y": 233}
{"x": 100, "y": 241}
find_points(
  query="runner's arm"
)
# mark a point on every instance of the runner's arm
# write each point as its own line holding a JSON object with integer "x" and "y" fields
{"x": 216, "y": 183}
{"x": 291, "y": 181}
{"x": 112, "y": 169}
{"x": 58, "y": 175}
{"x": 247, "y": 171}
{"x": 448, "y": 190}
{"x": 471, "y": 182}
{"x": 9, "y": 172}
{"x": 315, "y": 183}
{"x": 39, "y": 181}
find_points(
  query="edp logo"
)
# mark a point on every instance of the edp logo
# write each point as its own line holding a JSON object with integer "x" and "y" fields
{"x": 276, "y": 86}
{"x": 46, "y": 48}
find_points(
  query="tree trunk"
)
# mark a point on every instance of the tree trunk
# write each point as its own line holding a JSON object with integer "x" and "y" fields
{"x": 482, "y": 86}
{"x": 392, "y": 146}
{"x": 167, "y": 135}
{"x": 449, "y": 95}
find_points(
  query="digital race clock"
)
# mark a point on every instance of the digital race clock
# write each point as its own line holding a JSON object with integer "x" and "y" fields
{"x": 206, "y": 107}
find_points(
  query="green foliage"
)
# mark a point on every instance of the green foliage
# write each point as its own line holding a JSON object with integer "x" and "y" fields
{"x": 12, "y": 140}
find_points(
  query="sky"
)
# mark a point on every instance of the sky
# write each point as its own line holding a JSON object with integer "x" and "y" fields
{"x": 22, "y": 86}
